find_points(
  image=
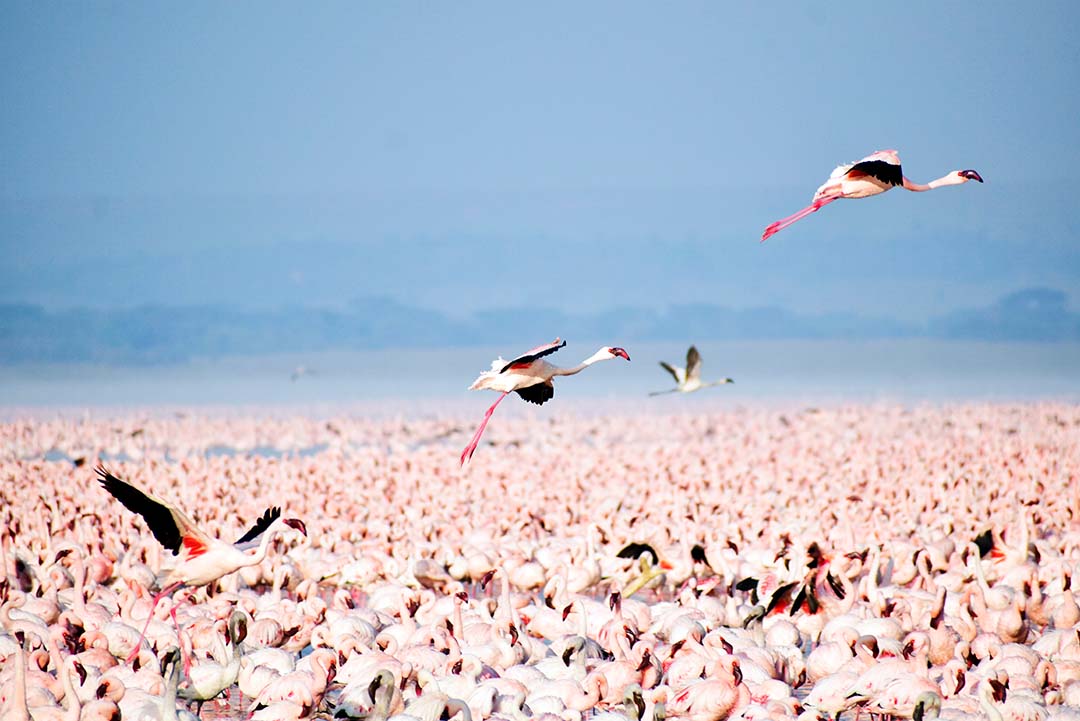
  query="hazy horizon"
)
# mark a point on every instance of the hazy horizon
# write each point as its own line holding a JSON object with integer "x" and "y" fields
{"x": 480, "y": 156}
{"x": 770, "y": 372}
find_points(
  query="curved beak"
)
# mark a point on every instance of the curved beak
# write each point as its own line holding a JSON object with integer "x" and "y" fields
{"x": 621, "y": 353}
{"x": 971, "y": 175}
{"x": 297, "y": 524}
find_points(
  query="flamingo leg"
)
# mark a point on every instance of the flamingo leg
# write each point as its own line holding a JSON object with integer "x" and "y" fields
{"x": 467, "y": 453}
{"x": 153, "y": 605}
{"x": 785, "y": 222}
{"x": 179, "y": 642}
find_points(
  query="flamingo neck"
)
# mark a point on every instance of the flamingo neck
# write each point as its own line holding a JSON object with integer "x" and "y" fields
{"x": 74, "y": 709}
{"x": 20, "y": 711}
{"x": 385, "y": 698}
{"x": 508, "y": 600}
{"x": 78, "y": 572}
{"x": 594, "y": 358}
{"x": 950, "y": 179}
{"x": 264, "y": 546}
{"x": 454, "y": 706}
{"x": 168, "y": 699}
{"x": 3, "y": 553}
{"x": 989, "y": 708}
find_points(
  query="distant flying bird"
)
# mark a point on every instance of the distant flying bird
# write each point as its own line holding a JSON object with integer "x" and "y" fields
{"x": 529, "y": 377}
{"x": 688, "y": 379}
{"x": 299, "y": 372}
{"x": 203, "y": 559}
{"x": 872, "y": 175}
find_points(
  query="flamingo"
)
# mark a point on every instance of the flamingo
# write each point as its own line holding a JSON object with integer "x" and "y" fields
{"x": 203, "y": 559}
{"x": 688, "y": 379}
{"x": 531, "y": 378}
{"x": 872, "y": 175}
{"x": 210, "y": 678}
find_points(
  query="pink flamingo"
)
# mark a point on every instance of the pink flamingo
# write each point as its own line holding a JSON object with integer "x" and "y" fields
{"x": 530, "y": 377}
{"x": 872, "y": 175}
{"x": 203, "y": 559}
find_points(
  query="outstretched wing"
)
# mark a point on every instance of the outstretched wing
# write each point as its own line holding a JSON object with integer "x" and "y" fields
{"x": 271, "y": 515}
{"x": 529, "y": 357}
{"x": 693, "y": 363}
{"x": 882, "y": 170}
{"x": 539, "y": 394}
{"x": 672, "y": 370}
{"x": 169, "y": 525}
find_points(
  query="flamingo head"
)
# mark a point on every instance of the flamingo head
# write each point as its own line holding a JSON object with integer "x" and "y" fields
{"x": 969, "y": 175}
{"x": 618, "y": 353}
{"x": 297, "y": 524}
{"x": 170, "y": 659}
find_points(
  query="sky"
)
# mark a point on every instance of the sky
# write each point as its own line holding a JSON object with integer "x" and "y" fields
{"x": 584, "y": 156}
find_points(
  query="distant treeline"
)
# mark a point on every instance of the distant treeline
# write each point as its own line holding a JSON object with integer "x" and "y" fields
{"x": 158, "y": 334}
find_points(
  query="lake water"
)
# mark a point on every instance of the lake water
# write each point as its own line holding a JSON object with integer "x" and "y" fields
{"x": 764, "y": 371}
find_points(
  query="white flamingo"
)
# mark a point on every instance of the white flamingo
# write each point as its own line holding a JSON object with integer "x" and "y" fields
{"x": 203, "y": 559}
{"x": 530, "y": 377}
{"x": 872, "y": 175}
{"x": 688, "y": 379}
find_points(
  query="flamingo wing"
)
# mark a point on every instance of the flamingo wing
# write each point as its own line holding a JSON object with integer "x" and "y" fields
{"x": 635, "y": 549}
{"x": 693, "y": 363}
{"x": 539, "y": 394}
{"x": 170, "y": 526}
{"x": 672, "y": 370}
{"x": 882, "y": 170}
{"x": 271, "y": 515}
{"x": 529, "y": 357}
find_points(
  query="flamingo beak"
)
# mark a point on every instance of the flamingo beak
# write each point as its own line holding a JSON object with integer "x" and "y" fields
{"x": 620, "y": 353}
{"x": 297, "y": 524}
{"x": 971, "y": 175}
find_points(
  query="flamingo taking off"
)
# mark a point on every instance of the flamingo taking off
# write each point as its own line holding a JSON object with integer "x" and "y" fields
{"x": 203, "y": 559}
{"x": 688, "y": 379}
{"x": 530, "y": 377}
{"x": 872, "y": 175}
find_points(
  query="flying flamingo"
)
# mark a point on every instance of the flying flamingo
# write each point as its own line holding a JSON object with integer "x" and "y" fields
{"x": 530, "y": 377}
{"x": 872, "y": 175}
{"x": 688, "y": 379}
{"x": 203, "y": 559}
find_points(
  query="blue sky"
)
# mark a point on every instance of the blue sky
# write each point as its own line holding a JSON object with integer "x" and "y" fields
{"x": 464, "y": 156}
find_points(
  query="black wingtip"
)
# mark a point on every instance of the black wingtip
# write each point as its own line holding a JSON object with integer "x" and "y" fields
{"x": 108, "y": 480}
{"x": 634, "y": 550}
{"x": 747, "y": 584}
{"x": 269, "y": 516}
{"x": 985, "y": 541}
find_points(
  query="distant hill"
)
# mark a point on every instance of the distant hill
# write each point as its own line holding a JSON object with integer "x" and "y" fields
{"x": 158, "y": 334}
{"x": 1034, "y": 314}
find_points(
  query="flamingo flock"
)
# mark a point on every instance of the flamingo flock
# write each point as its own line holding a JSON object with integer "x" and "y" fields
{"x": 798, "y": 563}
{"x": 811, "y": 564}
